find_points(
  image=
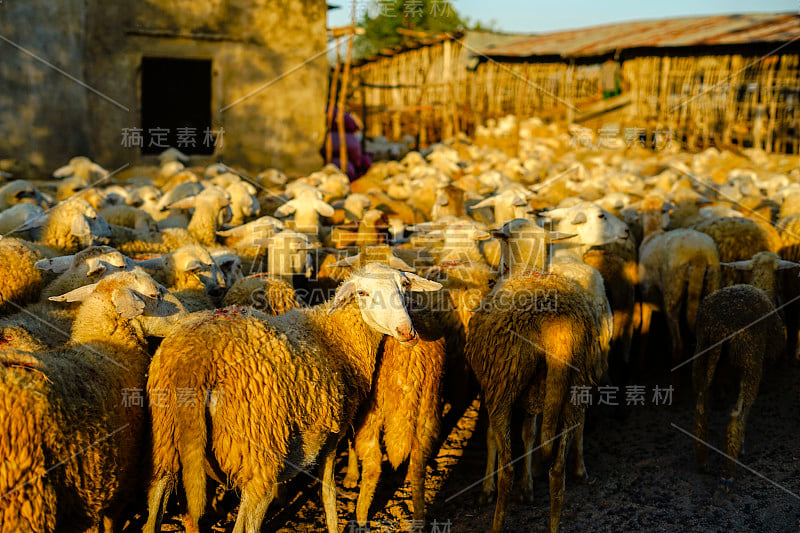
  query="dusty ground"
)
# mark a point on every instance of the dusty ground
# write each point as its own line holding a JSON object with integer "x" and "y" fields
{"x": 642, "y": 469}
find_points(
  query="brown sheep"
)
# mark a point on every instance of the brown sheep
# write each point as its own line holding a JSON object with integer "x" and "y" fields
{"x": 263, "y": 292}
{"x": 404, "y": 411}
{"x": 737, "y": 239}
{"x": 311, "y": 369}
{"x": 71, "y": 446}
{"x": 738, "y": 328}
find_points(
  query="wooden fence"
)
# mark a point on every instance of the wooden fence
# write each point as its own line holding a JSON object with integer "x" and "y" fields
{"x": 724, "y": 100}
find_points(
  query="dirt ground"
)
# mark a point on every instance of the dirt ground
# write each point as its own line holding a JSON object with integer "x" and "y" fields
{"x": 642, "y": 469}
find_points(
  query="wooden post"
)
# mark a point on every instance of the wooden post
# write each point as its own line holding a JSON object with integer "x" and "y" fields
{"x": 332, "y": 93}
{"x": 342, "y": 97}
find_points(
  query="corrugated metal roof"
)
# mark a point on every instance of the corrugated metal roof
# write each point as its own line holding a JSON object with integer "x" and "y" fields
{"x": 677, "y": 32}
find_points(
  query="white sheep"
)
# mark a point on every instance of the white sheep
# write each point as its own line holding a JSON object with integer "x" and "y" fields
{"x": 312, "y": 368}
{"x": 72, "y": 444}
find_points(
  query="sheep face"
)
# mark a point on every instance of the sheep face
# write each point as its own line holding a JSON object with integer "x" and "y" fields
{"x": 230, "y": 265}
{"x": 192, "y": 267}
{"x": 93, "y": 262}
{"x": 593, "y": 225}
{"x": 89, "y": 227}
{"x": 135, "y": 295}
{"x": 379, "y": 291}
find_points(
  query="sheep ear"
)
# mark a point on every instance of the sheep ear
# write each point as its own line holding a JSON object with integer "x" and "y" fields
{"x": 579, "y": 218}
{"x": 193, "y": 266}
{"x": 128, "y": 303}
{"x": 76, "y": 295}
{"x": 323, "y": 209}
{"x": 97, "y": 268}
{"x": 184, "y": 203}
{"x": 553, "y": 214}
{"x": 399, "y": 264}
{"x": 156, "y": 263}
{"x": 488, "y": 202}
{"x": 63, "y": 172}
{"x": 418, "y": 283}
{"x": 556, "y": 236}
{"x": 286, "y": 209}
{"x": 783, "y": 264}
{"x": 347, "y": 261}
{"x": 343, "y": 293}
{"x": 740, "y": 265}
{"x": 56, "y": 265}
{"x": 35, "y": 221}
{"x": 80, "y": 226}
{"x": 480, "y": 235}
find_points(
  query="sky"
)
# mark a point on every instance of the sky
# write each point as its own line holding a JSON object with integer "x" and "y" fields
{"x": 535, "y": 16}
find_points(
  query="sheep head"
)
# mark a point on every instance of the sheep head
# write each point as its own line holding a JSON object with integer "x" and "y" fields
{"x": 136, "y": 297}
{"x": 378, "y": 290}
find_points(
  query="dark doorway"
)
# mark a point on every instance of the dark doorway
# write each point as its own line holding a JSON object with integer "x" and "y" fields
{"x": 176, "y": 105}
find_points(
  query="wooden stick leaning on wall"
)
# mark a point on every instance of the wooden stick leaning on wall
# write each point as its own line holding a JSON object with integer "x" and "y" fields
{"x": 332, "y": 93}
{"x": 342, "y": 97}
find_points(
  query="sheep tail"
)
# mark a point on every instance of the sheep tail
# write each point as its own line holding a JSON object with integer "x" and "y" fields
{"x": 192, "y": 438}
{"x": 694, "y": 293}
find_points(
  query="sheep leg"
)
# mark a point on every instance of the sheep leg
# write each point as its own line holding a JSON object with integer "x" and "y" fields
{"x": 644, "y": 329}
{"x": 488, "y": 489}
{"x": 578, "y": 466}
{"x": 416, "y": 467}
{"x": 255, "y": 516}
{"x": 156, "y": 503}
{"x": 747, "y": 395}
{"x": 350, "y": 480}
{"x": 674, "y": 323}
{"x": 557, "y": 481}
{"x": 536, "y": 457}
{"x": 329, "y": 489}
{"x": 701, "y": 429}
{"x": 368, "y": 447}
{"x": 501, "y": 423}
{"x": 529, "y": 442}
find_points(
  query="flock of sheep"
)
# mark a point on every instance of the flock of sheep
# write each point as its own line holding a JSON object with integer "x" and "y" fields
{"x": 171, "y": 325}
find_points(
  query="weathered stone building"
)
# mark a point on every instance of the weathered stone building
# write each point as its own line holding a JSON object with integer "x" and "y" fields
{"x": 242, "y": 81}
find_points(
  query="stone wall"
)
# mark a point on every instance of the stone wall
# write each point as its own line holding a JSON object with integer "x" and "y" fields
{"x": 252, "y": 44}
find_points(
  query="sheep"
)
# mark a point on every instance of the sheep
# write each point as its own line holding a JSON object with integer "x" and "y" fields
{"x": 533, "y": 338}
{"x": 19, "y": 219}
{"x": 244, "y": 204}
{"x": 130, "y": 217}
{"x": 508, "y": 205}
{"x": 367, "y": 231}
{"x": 315, "y": 366}
{"x": 593, "y": 225}
{"x": 71, "y": 226}
{"x": 307, "y": 206}
{"x": 71, "y": 447}
{"x": 191, "y": 275}
{"x": 676, "y": 270}
{"x": 230, "y": 264}
{"x": 20, "y": 191}
{"x": 404, "y": 411}
{"x": 736, "y": 239}
{"x": 50, "y": 324}
{"x": 262, "y": 292}
{"x": 288, "y": 254}
{"x": 739, "y": 327}
{"x": 20, "y": 280}
{"x": 449, "y": 202}
{"x": 87, "y": 266}
{"x": 82, "y": 167}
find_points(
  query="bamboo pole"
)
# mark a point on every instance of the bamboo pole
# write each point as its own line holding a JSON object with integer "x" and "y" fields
{"x": 331, "y": 101}
{"x": 343, "y": 96}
